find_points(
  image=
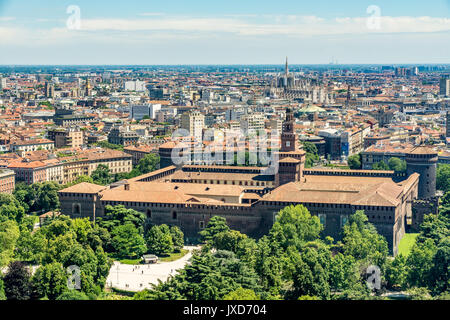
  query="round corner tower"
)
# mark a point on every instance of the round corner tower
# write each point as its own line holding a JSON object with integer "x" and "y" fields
{"x": 423, "y": 160}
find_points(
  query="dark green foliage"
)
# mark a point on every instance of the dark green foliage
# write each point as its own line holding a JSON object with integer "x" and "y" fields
{"x": 17, "y": 285}
{"x": 443, "y": 177}
{"x": 50, "y": 280}
{"x": 127, "y": 242}
{"x": 102, "y": 175}
{"x": 119, "y": 215}
{"x": 215, "y": 225}
{"x": 397, "y": 164}
{"x": 159, "y": 240}
{"x": 380, "y": 166}
{"x": 354, "y": 161}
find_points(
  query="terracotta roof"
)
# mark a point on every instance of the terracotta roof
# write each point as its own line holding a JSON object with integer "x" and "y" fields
{"x": 423, "y": 150}
{"x": 84, "y": 187}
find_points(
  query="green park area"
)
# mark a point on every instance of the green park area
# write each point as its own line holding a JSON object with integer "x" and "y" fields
{"x": 407, "y": 243}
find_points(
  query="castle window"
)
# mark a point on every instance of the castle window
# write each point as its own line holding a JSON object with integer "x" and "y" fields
{"x": 323, "y": 219}
{"x": 201, "y": 225}
{"x": 174, "y": 215}
{"x": 149, "y": 213}
{"x": 76, "y": 209}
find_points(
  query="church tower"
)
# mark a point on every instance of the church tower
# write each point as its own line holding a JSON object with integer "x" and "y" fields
{"x": 286, "y": 68}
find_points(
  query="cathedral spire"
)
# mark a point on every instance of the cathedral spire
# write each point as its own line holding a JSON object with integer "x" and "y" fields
{"x": 286, "y": 69}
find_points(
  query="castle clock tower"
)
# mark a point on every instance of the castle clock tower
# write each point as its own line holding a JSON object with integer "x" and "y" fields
{"x": 288, "y": 141}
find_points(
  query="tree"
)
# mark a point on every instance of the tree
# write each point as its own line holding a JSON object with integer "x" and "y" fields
{"x": 354, "y": 161}
{"x": 228, "y": 240}
{"x": 362, "y": 241}
{"x": 30, "y": 246}
{"x": 311, "y": 154}
{"x": 310, "y": 276}
{"x": 420, "y": 262}
{"x": 46, "y": 196}
{"x": 79, "y": 180}
{"x": 148, "y": 163}
{"x": 397, "y": 164}
{"x": 17, "y": 282}
{"x": 2, "y": 290}
{"x": 159, "y": 240}
{"x": 380, "y": 166}
{"x": 215, "y": 225}
{"x": 443, "y": 177}
{"x": 9, "y": 233}
{"x": 72, "y": 295}
{"x": 177, "y": 238}
{"x": 119, "y": 215}
{"x": 82, "y": 228}
{"x": 25, "y": 194}
{"x": 50, "y": 280}
{"x": 396, "y": 272}
{"x": 127, "y": 242}
{"x": 102, "y": 175}
{"x": 294, "y": 226}
{"x": 344, "y": 273}
{"x": 10, "y": 208}
{"x": 439, "y": 272}
{"x": 241, "y": 294}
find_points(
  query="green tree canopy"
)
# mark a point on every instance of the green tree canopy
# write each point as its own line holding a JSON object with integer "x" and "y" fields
{"x": 127, "y": 242}
{"x": 354, "y": 161}
{"x": 159, "y": 240}
{"x": 102, "y": 175}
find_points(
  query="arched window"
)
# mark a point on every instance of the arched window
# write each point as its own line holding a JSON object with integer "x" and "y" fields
{"x": 76, "y": 209}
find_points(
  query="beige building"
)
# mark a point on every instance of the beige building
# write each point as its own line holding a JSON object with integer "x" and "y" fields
{"x": 193, "y": 122}
{"x": 67, "y": 137}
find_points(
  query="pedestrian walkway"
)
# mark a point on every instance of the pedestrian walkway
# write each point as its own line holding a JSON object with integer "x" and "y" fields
{"x": 139, "y": 277}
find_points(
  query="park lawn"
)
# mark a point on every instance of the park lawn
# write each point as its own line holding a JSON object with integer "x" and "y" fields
{"x": 174, "y": 256}
{"x": 131, "y": 261}
{"x": 406, "y": 243}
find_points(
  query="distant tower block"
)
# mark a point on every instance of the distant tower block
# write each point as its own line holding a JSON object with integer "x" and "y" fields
{"x": 423, "y": 160}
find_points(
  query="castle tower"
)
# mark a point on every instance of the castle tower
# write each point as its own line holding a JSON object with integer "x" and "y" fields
{"x": 423, "y": 160}
{"x": 288, "y": 136}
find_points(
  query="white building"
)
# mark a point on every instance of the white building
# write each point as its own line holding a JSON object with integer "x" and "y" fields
{"x": 251, "y": 123}
{"x": 136, "y": 85}
{"x": 194, "y": 122}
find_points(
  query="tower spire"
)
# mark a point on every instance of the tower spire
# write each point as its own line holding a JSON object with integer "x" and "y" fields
{"x": 286, "y": 69}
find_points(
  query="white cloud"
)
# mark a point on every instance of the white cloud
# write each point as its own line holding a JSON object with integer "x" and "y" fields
{"x": 5, "y": 19}
{"x": 182, "y": 27}
{"x": 273, "y": 24}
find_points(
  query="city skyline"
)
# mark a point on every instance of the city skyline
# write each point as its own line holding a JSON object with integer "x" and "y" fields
{"x": 364, "y": 32}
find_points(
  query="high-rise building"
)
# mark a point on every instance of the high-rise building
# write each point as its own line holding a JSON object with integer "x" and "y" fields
{"x": 444, "y": 87}
{"x": 447, "y": 125}
{"x": 49, "y": 90}
{"x": 194, "y": 122}
{"x": 2, "y": 83}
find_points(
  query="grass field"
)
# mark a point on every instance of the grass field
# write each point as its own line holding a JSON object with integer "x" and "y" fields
{"x": 174, "y": 256}
{"x": 131, "y": 261}
{"x": 406, "y": 243}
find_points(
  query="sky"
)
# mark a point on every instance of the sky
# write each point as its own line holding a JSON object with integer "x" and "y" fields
{"x": 170, "y": 32}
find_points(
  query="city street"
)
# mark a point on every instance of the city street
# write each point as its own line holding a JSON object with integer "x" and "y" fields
{"x": 138, "y": 277}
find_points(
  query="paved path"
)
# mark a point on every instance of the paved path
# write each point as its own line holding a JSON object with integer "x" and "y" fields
{"x": 139, "y": 277}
